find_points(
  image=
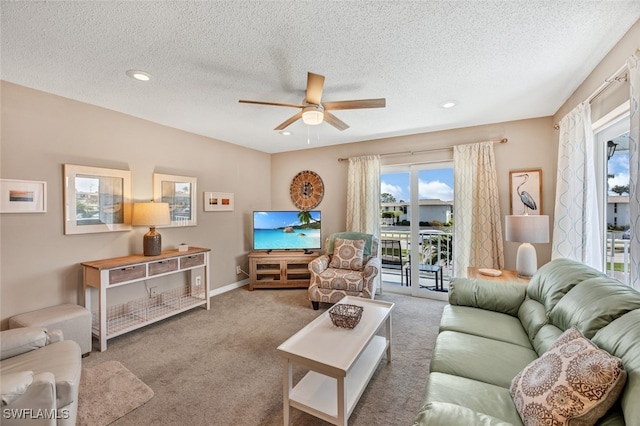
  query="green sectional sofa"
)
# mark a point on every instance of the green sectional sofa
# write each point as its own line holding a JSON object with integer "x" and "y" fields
{"x": 491, "y": 331}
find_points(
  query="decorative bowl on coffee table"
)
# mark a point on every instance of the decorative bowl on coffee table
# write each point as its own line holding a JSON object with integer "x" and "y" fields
{"x": 345, "y": 316}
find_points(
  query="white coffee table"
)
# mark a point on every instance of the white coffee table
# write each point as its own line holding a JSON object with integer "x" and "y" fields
{"x": 340, "y": 361}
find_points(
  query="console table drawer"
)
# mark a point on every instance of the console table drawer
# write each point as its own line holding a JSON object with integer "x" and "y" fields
{"x": 163, "y": 266}
{"x": 191, "y": 261}
{"x": 127, "y": 273}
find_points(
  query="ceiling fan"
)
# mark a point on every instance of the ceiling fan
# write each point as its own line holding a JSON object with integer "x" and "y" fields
{"x": 313, "y": 111}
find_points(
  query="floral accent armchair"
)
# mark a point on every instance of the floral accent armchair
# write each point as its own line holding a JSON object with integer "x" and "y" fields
{"x": 348, "y": 268}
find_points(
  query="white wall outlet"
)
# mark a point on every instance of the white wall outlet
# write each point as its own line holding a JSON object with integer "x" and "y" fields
{"x": 198, "y": 281}
{"x": 153, "y": 291}
{"x": 238, "y": 270}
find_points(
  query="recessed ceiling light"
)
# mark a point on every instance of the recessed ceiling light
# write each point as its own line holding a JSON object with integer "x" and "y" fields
{"x": 448, "y": 104}
{"x": 139, "y": 75}
{"x": 285, "y": 133}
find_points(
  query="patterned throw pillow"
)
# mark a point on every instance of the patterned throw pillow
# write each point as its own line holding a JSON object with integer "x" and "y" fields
{"x": 574, "y": 381}
{"x": 347, "y": 254}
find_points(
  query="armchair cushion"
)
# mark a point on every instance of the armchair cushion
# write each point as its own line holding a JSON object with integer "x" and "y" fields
{"x": 14, "y": 385}
{"x": 368, "y": 241}
{"x": 347, "y": 254}
{"x": 340, "y": 279}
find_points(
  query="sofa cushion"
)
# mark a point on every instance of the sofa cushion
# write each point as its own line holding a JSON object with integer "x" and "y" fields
{"x": 504, "y": 297}
{"x": 573, "y": 381}
{"x": 447, "y": 414}
{"x": 483, "y": 323}
{"x": 593, "y": 304}
{"x": 620, "y": 338}
{"x": 494, "y": 401}
{"x": 479, "y": 358}
{"x": 347, "y": 254}
{"x": 554, "y": 279}
{"x": 533, "y": 317}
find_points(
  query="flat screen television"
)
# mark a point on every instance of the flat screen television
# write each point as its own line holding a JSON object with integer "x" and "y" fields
{"x": 287, "y": 230}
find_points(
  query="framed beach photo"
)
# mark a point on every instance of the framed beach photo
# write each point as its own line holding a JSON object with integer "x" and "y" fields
{"x": 180, "y": 193}
{"x": 23, "y": 196}
{"x": 525, "y": 191}
{"x": 96, "y": 199}
{"x": 218, "y": 201}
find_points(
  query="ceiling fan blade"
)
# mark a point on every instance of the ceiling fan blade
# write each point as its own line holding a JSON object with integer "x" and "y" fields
{"x": 315, "y": 83}
{"x": 289, "y": 121}
{"x": 355, "y": 104}
{"x": 335, "y": 121}
{"x": 242, "y": 101}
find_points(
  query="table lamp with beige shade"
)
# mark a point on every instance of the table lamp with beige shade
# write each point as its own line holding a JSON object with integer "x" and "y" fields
{"x": 151, "y": 214}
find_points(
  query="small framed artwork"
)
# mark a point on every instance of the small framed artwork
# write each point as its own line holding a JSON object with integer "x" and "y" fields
{"x": 180, "y": 193}
{"x": 218, "y": 201}
{"x": 525, "y": 194}
{"x": 96, "y": 199}
{"x": 23, "y": 196}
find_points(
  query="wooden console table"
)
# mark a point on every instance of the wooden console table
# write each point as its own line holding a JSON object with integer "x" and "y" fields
{"x": 101, "y": 275}
{"x": 279, "y": 269}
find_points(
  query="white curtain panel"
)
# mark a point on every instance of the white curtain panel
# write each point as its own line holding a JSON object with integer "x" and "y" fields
{"x": 363, "y": 195}
{"x": 576, "y": 229}
{"x": 477, "y": 237}
{"x": 633, "y": 64}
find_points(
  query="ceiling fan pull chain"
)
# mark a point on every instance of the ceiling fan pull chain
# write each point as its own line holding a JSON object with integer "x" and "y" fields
{"x": 308, "y": 138}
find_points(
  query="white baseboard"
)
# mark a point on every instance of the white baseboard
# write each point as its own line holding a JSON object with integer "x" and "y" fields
{"x": 228, "y": 287}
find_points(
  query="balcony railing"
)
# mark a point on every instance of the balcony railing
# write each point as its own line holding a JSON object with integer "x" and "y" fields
{"x": 618, "y": 261}
{"x": 435, "y": 247}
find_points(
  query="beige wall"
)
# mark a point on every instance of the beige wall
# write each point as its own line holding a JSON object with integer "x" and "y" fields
{"x": 531, "y": 145}
{"x": 41, "y": 132}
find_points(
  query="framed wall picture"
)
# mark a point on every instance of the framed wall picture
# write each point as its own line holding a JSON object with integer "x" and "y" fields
{"x": 180, "y": 193}
{"x": 525, "y": 191}
{"x": 218, "y": 201}
{"x": 96, "y": 199}
{"x": 23, "y": 196}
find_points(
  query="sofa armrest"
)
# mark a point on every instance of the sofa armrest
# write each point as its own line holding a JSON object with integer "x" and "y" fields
{"x": 21, "y": 340}
{"x": 40, "y": 395}
{"x": 504, "y": 297}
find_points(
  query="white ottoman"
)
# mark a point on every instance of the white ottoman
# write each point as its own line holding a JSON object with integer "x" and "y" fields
{"x": 73, "y": 320}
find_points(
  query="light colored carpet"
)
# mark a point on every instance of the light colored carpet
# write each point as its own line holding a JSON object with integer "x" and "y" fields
{"x": 109, "y": 391}
{"x": 221, "y": 367}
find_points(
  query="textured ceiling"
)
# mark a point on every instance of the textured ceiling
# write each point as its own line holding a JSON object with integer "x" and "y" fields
{"x": 500, "y": 60}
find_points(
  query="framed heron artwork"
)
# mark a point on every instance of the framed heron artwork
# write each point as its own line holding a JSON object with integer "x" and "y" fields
{"x": 525, "y": 191}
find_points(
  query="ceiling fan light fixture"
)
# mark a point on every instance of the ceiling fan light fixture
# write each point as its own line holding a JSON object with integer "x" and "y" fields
{"x": 312, "y": 115}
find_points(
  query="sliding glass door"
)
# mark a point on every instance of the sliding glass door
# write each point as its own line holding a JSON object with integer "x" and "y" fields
{"x": 416, "y": 210}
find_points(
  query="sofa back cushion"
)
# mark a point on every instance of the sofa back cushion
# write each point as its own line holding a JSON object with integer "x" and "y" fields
{"x": 593, "y": 304}
{"x": 621, "y": 338}
{"x": 553, "y": 280}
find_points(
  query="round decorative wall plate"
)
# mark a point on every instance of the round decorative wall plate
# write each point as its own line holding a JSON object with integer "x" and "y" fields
{"x": 306, "y": 190}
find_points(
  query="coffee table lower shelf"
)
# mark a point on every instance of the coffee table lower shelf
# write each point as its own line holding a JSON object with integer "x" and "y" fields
{"x": 317, "y": 394}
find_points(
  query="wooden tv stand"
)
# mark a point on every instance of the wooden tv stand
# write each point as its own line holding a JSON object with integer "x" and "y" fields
{"x": 280, "y": 269}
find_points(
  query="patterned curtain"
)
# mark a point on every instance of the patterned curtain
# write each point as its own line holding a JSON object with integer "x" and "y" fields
{"x": 634, "y": 164}
{"x": 477, "y": 237}
{"x": 363, "y": 195}
{"x": 576, "y": 229}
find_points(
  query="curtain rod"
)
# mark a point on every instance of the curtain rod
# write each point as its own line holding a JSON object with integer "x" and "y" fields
{"x": 620, "y": 75}
{"x": 393, "y": 154}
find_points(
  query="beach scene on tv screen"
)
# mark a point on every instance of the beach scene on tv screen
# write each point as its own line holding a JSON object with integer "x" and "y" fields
{"x": 286, "y": 230}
